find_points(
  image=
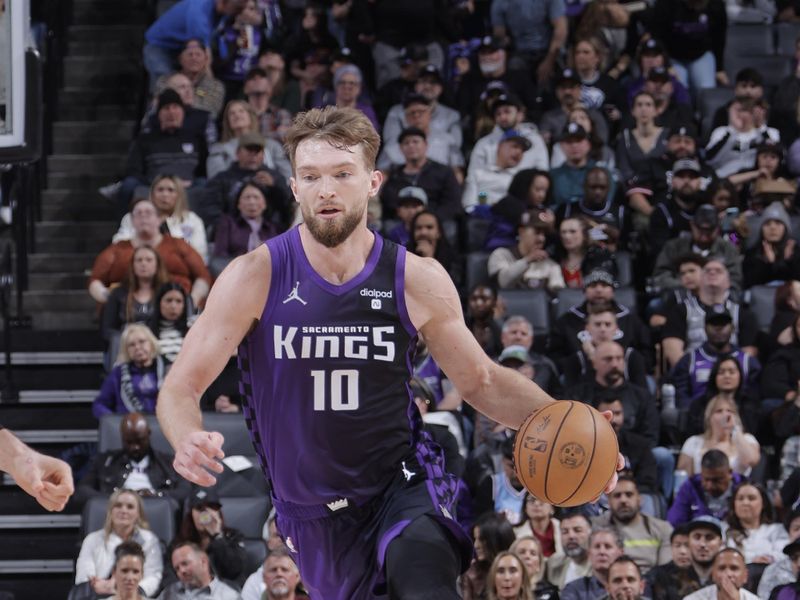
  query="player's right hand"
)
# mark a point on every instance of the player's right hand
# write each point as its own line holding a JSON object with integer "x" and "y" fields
{"x": 198, "y": 453}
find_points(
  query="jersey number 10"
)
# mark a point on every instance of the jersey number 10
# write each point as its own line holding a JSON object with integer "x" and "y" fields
{"x": 343, "y": 392}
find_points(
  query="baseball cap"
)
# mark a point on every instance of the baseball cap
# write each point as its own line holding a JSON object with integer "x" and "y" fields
{"x": 686, "y": 164}
{"x": 504, "y": 100}
{"x": 658, "y": 74}
{"x": 431, "y": 72}
{"x": 686, "y": 130}
{"x": 599, "y": 276}
{"x": 415, "y": 99}
{"x": 409, "y": 131}
{"x": 343, "y": 55}
{"x": 251, "y": 139}
{"x": 492, "y": 88}
{"x": 652, "y": 48}
{"x": 490, "y": 43}
{"x": 410, "y": 193}
{"x": 705, "y": 217}
{"x": 516, "y": 136}
{"x": 169, "y": 96}
{"x": 718, "y": 315}
{"x": 204, "y": 497}
{"x": 574, "y": 131}
{"x": 568, "y": 76}
{"x": 519, "y": 353}
{"x": 706, "y": 522}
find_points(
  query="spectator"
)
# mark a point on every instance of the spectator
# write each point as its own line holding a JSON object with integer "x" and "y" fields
{"x": 509, "y": 114}
{"x": 492, "y": 534}
{"x": 785, "y": 99}
{"x": 137, "y": 466}
{"x": 775, "y": 255}
{"x": 598, "y": 90}
{"x": 443, "y": 426}
{"x": 183, "y": 263}
{"x": 677, "y": 580}
{"x": 235, "y": 47}
{"x": 780, "y": 386}
{"x": 238, "y": 234}
{"x": 285, "y": 91}
{"x": 752, "y": 529}
{"x": 309, "y": 50}
{"x": 574, "y": 563}
{"x": 729, "y": 574}
{"x": 530, "y": 553}
{"x": 625, "y": 580}
{"x": 488, "y": 185}
{"x": 635, "y": 449}
{"x": 239, "y": 120}
{"x": 480, "y": 318}
{"x": 600, "y": 152}
{"x": 706, "y": 241}
{"x": 197, "y": 121}
{"x": 272, "y": 121}
{"x": 605, "y": 546}
{"x": 428, "y": 239}
{"x": 782, "y": 571}
{"x": 437, "y": 181}
{"x": 125, "y": 522}
{"x": 673, "y": 214}
{"x": 409, "y": 201}
{"x": 204, "y": 526}
{"x": 769, "y": 166}
{"x": 169, "y": 197}
{"x": 527, "y": 265}
{"x": 706, "y": 493}
{"x": 749, "y": 83}
{"x": 128, "y": 571}
{"x": 652, "y": 55}
{"x": 133, "y": 384}
{"x": 538, "y": 522}
{"x": 569, "y": 177}
{"x": 518, "y": 331}
{"x": 347, "y": 84}
{"x": 568, "y": 95}
{"x": 646, "y": 539}
{"x": 209, "y": 93}
{"x": 598, "y": 204}
{"x": 669, "y": 112}
{"x": 187, "y": 25}
{"x": 732, "y": 148}
{"x": 277, "y": 579}
{"x": 723, "y": 431}
{"x": 689, "y": 271}
{"x": 507, "y": 491}
{"x": 685, "y": 328}
{"x": 195, "y": 574}
{"x": 508, "y": 578}
{"x": 223, "y": 188}
{"x": 168, "y": 149}
{"x": 170, "y": 320}
{"x": 638, "y": 145}
{"x": 571, "y": 248}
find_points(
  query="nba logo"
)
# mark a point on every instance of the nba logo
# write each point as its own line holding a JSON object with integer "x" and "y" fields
{"x": 376, "y": 304}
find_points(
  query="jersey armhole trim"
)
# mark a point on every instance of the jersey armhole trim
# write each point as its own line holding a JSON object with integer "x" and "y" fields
{"x": 400, "y": 286}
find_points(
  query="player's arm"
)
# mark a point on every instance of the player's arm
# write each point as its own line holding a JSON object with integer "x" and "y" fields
{"x": 435, "y": 310}
{"x": 236, "y": 301}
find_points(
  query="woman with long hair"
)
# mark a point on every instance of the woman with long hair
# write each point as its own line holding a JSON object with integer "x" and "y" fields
{"x": 598, "y": 90}
{"x": 727, "y": 380}
{"x": 492, "y": 534}
{"x": 508, "y": 578}
{"x": 571, "y": 248}
{"x": 529, "y": 550}
{"x": 170, "y": 320}
{"x": 428, "y": 240}
{"x": 125, "y": 522}
{"x": 642, "y": 144}
{"x": 752, "y": 529}
{"x": 128, "y": 571}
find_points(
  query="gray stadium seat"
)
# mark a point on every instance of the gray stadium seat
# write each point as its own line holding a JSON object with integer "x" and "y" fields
{"x": 762, "y": 304}
{"x": 160, "y": 513}
{"x": 708, "y": 101}
{"x": 476, "y": 269}
{"x": 534, "y": 305}
{"x": 247, "y": 482}
{"x": 109, "y": 438}
{"x": 624, "y": 268}
{"x": 746, "y": 40}
{"x": 248, "y": 515}
{"x": 787, "y": 36}
{"x": 773, "y": 68}
{"x": 476, "y": 233}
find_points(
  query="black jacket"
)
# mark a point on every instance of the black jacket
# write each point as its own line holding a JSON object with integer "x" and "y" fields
{"x": 670, "y": 582}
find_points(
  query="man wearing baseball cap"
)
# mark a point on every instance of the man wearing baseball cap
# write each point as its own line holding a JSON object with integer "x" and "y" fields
{"x": 651, "y": 55}
{"x": 568, "y": 93}
{"x": 568, "y": 179}
{"x": 490, "y": 184}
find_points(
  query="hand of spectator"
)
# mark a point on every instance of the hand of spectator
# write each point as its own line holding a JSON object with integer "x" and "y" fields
{"x": 545, "y": 70}
{"x": 212, "y": 522}
{"x": 197, "y": 454}
{"x": 722, "y": 79}
{"x": 769, "y": 252}
{"x": 727, "y": 589}
{"x": 536, "y": 255}
{"x": 462, "y": 65}
{"x": 612, "y": 112}
{"x": 789, "y": 249}
{"x": 47, "y": 479}
{"x": 102, "y": 587}
{"x": 223, "y": 404}
{"x": 186, "y": 183}
{"x": 340, "y": 11}
{"x": 547, "y": 216}
{"x": 588, "y": 348}
{"x": 264, "y": 179}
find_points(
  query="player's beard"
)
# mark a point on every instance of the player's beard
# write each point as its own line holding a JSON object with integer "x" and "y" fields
{"x": 332, "y": 232}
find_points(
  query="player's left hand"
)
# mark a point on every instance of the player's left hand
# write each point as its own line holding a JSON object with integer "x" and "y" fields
{"x": 47, "y": 479}
{"x": 620, "y": 459}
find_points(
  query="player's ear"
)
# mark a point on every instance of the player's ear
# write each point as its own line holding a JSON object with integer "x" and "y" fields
{"x": 375, "y": 182}
{"x": 293, "y": 187}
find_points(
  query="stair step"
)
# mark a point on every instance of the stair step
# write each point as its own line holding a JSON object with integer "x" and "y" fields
{"x": 63, "y": 300}
{"x": 68, "y": 230}
{"x": 43, "y": 262}
{"x": 94, "y": 209}
{"x": 47, "y": 585}
{"x": 57, "y": 396}
{"x": 88, "y": 357}
{"x": 57, "y": 281}
{"x": 88, "y": 164}
{"x": 63, "y": 320}
{"x": 93, "y": 129}
{"x": 57, "y": 436}
{"x": 110, "y": 16}
{"x": 22, "y": 418}
{"x": 58, "y": 376}
{"x": 91, "y": 146}
{"x": 79, "y": 181}
{"x": 36, "y": 565}
{"x": 100, "y": 112}
{"x": 108, "y": 32}
{"x": 91, "y": 245}
{"x": 129, "y": 47}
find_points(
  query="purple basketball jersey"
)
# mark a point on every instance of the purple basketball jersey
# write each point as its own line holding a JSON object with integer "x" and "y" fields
{"x": 325, "y": 373}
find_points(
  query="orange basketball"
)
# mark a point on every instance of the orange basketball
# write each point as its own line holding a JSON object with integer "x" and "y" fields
{"x": 566, "y": 453}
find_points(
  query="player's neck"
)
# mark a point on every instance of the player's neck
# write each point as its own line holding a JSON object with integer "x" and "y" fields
{"x": 340, "y": 264}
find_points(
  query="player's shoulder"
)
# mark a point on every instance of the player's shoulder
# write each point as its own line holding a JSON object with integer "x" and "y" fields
{"x": 247, "y": 274}
{"x": 425, "y": 274}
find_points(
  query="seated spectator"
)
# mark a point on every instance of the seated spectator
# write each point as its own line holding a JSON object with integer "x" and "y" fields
{"x": 670, "y": 112}
{"x": 410, "y": 201}
{"x": 125, "y": 522}
{"x": 183, "y": 263}
{"x": 133, "y": 384}
{"x": 706, "y": 493}
{"x": 689, "y": 272}
{"x": 691, "y": 374}
{"x": 504, "y": 488}
{"x": 782, "y": 571}
{"x": 442, "y": 147}
{"x": 625, "y": 580}
{"x": 685, "y": 327}
{"x": 568, "y": 94}
{"x": 573, "y": 564}
{"x": 775, "y": 255}
{"x": 508, "y": 578}
{"x": 169, "y": 198}
{"x": 132, "y": 300}
{"x": 637, "y": 145}
{"x": 492, "y": 535}
{"x": 442, "y": 426}
{"x": 235, "y": 47}
{"x": 787, "y": 309}
{"x": 204, "y": 526}
{"x": 529, "y": 550}
{"x": 198, "y": 121}
{"x": 769, "y": 165}
{"x": 428, "y": 240}
{"x": 568, "y": 178}
{"x": 749, "y": 83}
{"x": 690, "y": 568}
{"x": 605, "y": 546}
{"x": 222, "y": 189}
{"x": 780, "y": 388}
{"x": 285, "y": 89}
{"x": 598, "y": 204}
{"x": 784, "y": 101}
{"x": 309, "y": 49}
{"x": 705, "y": 240}
{"x": 347, "y": 85}
{"x": 652, "y": 55}
{"x": 601, "y": 326}
{"x": 571, "y": 247}
{"x": 600, "y": 152}
{"x": 538, "y": 522}
{"x": 509, "y": 114}
{"x": 751, "y": 527}
{"x": 518, "y": 331}
{"x": 277, "y": 579}
{"x": 128, "y": 571}
{"x": 137, "y": 466}
{"x": 250, "y": 227}
{"x": 637, "y": 450}
{"x": 528, "y": 265}
{"x": 170, "y": 320}
{"x": 598, "y": 90}
{"x": 239, "y": 119}
{"x": 732, "y": 148}
{"x": 442, "y": 190}
{"x": 723, "y": 431}
{"x": 480, "y": 319}
{"x": 490, "y": 184}
{"x": 195, "y": 574}
{"x": 565, "y": 337}
{"x": 729, "y": 574}
{"x": 170, "y": 148}
{"x": 272, "y": 121}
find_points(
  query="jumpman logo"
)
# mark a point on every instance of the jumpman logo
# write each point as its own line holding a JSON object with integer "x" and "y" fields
{"x": 408, "y": 474}
{"x": 295, "y": 296}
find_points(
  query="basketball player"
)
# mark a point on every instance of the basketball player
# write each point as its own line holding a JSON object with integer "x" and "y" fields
{"x": 327, "y": 314}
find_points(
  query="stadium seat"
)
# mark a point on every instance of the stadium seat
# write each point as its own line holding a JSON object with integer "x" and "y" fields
{"x": 476, "y": 269}
{"x": 160, "y": 513}
{"x": 762, "y": 304}
{"x": 747, "y": 40}
{"x": 787, "y": 34}
{"x": 256, "y": 551}
{"x": 109, "y": 438}
{"x": 476, "y": 233}
{"x": 246, "y": 482}
{"x": 534, "y": 305}
{"x": 248, "y": 515}
{"x": 569, "y": 297}
{"x": 624, "y": 268}
{"x": 708, "y": 101}
{"x": 773, "y": 68}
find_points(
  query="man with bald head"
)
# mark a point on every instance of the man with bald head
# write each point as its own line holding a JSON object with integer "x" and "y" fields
{"x": 136, "y": 466}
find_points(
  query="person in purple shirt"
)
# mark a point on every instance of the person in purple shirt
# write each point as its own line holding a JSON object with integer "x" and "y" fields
{"x": 652, "y": 55}
{"x": 328, "y": 315}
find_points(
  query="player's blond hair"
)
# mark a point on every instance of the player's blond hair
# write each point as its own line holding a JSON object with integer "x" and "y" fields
{"x": 343, "y": 128}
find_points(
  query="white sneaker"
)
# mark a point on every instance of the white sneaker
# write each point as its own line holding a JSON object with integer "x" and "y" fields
{"x": 110, "y": 191}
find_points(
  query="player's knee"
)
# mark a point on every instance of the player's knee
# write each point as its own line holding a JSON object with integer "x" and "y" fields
{"x": 423, "y": 563}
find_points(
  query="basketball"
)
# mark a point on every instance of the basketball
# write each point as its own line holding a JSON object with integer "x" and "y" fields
{"x": 566, "y": 453}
